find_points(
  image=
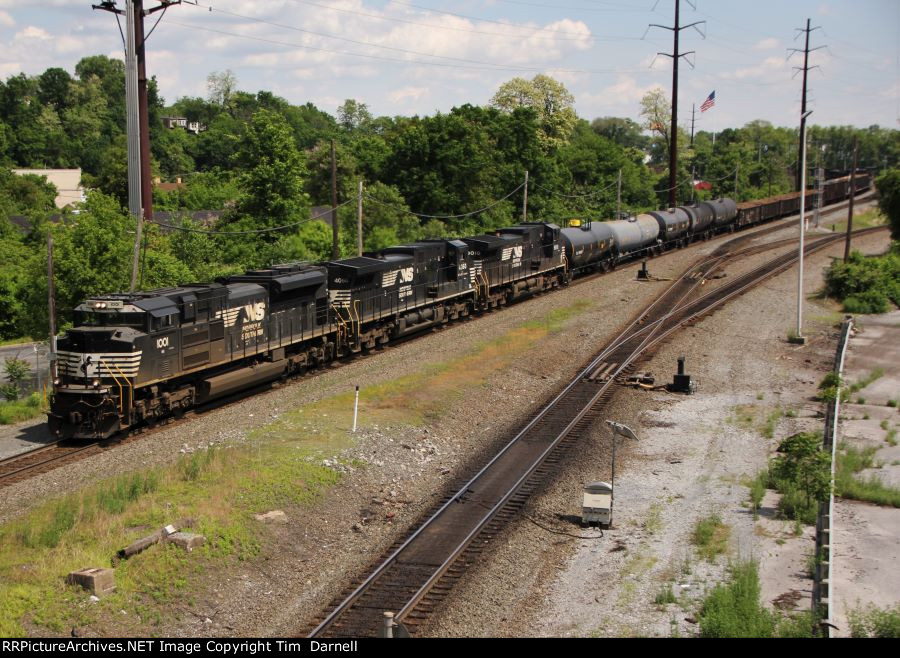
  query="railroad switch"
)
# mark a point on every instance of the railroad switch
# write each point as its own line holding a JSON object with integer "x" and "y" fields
{"x": 682, "y": 382}
{"x": 643, "y": 273}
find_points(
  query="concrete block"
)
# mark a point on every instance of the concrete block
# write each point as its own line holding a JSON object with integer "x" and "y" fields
{"x": 99, "y": 582}
{"x": 275, "y": 516}
{"x": 186, "y": 540}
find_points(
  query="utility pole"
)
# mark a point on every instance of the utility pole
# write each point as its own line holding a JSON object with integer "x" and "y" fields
{"x": 335, "y": 252}
{"x": 525, "y": 200}
{"x": 737, "y": 170}
{"x": 132, "y": 111}
{"x": 693, "y": 114}
{"x": 359, "y": 235}
{"x": 675, "y": 56}
{"x": 850, "y": 208}
{"x": 51, "y": 306}
{"x": 144, "y": 114}
{"x": 805, "y": 69}
{"x": 619, "y": 196}
{"x": 802, "y": 225}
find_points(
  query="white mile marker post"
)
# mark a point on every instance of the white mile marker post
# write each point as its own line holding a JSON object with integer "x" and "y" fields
{"x": 355, "y": 409}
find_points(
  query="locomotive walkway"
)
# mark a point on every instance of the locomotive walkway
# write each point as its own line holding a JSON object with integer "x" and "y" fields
{"x": 420, "y": 571}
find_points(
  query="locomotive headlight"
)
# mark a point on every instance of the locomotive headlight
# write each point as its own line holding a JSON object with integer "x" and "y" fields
{"x": 96, "y": 383}
{"x": 57, "y": 381}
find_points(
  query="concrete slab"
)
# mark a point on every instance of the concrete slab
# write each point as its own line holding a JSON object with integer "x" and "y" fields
{"x": 186, "y": 540}
{"x": 866, "y": 553}
{"x": 97, "y": 581}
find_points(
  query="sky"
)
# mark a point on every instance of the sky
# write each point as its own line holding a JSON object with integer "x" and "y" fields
{"x": 423, "y": 56}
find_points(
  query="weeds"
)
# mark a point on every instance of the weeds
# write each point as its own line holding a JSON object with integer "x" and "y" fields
{"x": 892, "y": 403}
{"x": 733, "y": 610}
{"x": 851, "y": 461}
{"x": 665, "y": 596}
{"x": 875, "y": 622}
{"x": 20, "y": 410}
{"x": 758, "y": 486}
{"x": 711, "y": 536}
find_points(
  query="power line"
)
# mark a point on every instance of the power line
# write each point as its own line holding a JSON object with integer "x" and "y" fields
{"x": 337, "y": 37}
{"x": 805, "y": 69}
{"x": 466, "y": 30}
{"x": 466, "y": 214}
{"x": 676, "y": 56}
{"x": 498, "y": 67}
{"x": 251, "y": 231}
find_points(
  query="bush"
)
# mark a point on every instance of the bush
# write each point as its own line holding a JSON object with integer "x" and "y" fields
{"x": 802, "y": 474}
{"x": 866, "y": 285}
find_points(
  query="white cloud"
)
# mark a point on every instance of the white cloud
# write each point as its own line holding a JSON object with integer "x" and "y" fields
{"x": 407, "y": 93}
{"x": 32, "y": 32}
{"x": 766, "y": 44}
{"x": 6, "y": 20}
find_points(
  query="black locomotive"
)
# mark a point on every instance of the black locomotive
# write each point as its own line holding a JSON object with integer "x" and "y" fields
{"x": 134, "y": 358}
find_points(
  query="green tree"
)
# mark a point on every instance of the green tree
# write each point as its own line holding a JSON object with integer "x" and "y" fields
{"x": 888, "y": 186}
{"x": 273, "y": 174}
{"x": 549, "y": 98}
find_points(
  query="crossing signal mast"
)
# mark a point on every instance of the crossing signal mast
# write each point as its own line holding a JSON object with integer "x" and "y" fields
{"x": 676, "y": 56}
{"x": 140, "y": 188}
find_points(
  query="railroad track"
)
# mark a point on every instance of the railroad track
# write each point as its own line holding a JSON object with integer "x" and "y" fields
{"x": 40, "y": 460}
{"x": 419, "y": 571}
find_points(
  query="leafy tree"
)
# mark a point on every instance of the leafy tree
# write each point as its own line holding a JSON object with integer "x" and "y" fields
{"x": 273, "y": 174}
{"x": 888, "y": 186}
{"x": 353, "y": 115}
{"x": 54, "y": 87}
{"x": 548, "y": 98}
{"x": 221, "y": 86}
{"x": 624, "y": 132}
{"x": 802, "y": 461}
{"x": 656, "y": 111}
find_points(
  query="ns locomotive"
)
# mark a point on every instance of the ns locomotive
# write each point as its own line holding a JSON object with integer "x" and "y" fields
{"x": 133, "y": 358}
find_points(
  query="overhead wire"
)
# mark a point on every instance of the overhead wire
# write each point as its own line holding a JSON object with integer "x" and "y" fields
{"x": 337, "y": 37}
{"x": 426, "y": 216}
{"x": 269, "y": 229}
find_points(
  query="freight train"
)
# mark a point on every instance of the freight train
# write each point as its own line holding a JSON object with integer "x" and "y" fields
{"x": 134, "y": 358}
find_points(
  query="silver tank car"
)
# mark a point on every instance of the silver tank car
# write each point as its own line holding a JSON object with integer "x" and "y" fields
{"x": 673, "y": 223}
{"x": 634, "y": 234}
{"x": 587, "y": 244}
{"x": 725, "y": 210}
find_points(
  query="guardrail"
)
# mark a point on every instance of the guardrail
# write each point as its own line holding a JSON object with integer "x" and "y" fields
{"x": 823, "y": 585}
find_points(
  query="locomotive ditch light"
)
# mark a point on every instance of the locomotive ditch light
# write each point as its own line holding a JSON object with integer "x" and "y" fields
{"x": 96, "y": 383}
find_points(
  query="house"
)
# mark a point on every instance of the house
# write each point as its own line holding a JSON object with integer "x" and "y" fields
{"x": 67, "y": 182}
{"x": 181, "y": 122}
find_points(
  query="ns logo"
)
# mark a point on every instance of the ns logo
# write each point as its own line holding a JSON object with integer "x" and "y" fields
{"x": 254, "y": 312}
{"x": 517, "y": 251}
{"x": 406, "y": 275}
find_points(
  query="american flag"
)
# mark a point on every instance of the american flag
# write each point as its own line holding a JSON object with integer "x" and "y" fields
{"x": 709, "y": 102}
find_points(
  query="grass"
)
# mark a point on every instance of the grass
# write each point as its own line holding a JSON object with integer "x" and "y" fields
{"x": 873, "y": 375}
{"x": 733, "y": 610}
{"x": 221, "y": 490}
{"x": 891, "y": 437}
{"x": 892, "y": 403}
{"x": 16, "y": 341}
{"x": 757, "y": 418}
{"x": 851, "y": 461}
{"x": 665, "y": 596}
{"x": 711, "y": 536}
{"x": 653, "y": 523}
{"x": 872, "y": 621}
{"x": 758, "y": 486}
{"x": 21, "y": 410}
{"x": 865, "y": 219}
